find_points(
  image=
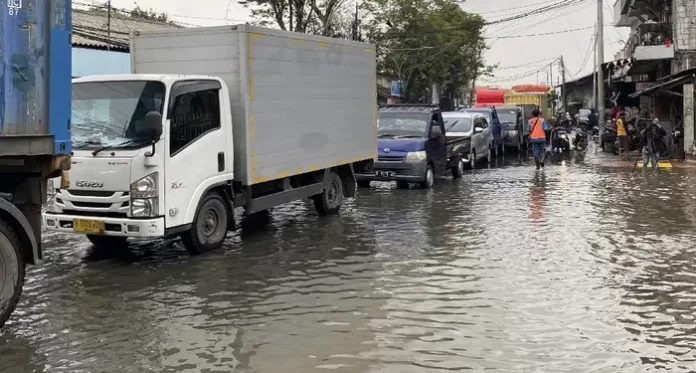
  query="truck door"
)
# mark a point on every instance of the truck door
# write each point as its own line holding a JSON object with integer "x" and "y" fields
{"x": 437, "y": 143}
{"x": 196, "y": 146}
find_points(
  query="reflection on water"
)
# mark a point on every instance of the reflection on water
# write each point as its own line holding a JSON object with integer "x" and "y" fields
{"x": 575, "y": 268}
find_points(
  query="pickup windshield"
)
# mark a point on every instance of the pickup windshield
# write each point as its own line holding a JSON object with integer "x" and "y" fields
{"x": 393, "y": 125}
{"x": 109, "y": 113}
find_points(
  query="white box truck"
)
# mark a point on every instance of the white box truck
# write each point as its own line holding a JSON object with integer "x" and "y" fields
{"x": 214, "y": 119}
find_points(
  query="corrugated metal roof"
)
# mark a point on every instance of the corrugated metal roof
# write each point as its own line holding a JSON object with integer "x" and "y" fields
{"x": 90, "y": 29}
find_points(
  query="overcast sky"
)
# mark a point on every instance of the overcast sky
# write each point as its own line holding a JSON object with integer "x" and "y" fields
{"x": 530, "y": 52}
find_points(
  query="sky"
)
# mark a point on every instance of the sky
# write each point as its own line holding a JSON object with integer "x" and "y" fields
{"x": 517, "y": 55}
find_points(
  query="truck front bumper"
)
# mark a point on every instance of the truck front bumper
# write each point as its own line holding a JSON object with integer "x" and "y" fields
{"x": 122, "y": 227}
{"x": 409, "y": 171}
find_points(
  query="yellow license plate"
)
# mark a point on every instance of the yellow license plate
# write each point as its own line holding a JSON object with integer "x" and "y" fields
{"x": 88, "y": 226}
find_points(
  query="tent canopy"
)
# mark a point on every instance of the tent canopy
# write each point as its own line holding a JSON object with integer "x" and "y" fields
{"x": 486, "y": 96}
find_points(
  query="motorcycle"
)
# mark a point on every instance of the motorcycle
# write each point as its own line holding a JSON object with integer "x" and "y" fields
{"x": 560, "y": 142}
{"x": 633, "y": 141}
{"x": 580, "y": 141}
{"x": 594, "y": 132}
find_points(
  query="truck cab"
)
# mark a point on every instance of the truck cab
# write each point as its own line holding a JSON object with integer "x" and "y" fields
{"x": 412, "y": 147}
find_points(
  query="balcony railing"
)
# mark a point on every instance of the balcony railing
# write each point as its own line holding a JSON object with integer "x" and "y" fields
{"x": 650, "y": 41}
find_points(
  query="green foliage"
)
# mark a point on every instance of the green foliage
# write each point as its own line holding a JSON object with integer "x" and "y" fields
{"x": 150, "y": 14}
{"x": 427, "y": 41}
{"x": 420, "y": 42}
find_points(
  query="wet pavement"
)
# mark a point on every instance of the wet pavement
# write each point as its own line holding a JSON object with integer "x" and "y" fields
{"x": 580, "y": 268}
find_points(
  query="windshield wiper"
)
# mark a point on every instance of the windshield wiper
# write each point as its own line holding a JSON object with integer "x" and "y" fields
{"x": 383, "y": 135}
{"x": 129, "y": 142}
{"x": 451, "y": 125}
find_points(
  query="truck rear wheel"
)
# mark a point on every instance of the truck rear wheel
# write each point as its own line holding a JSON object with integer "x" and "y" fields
{"x": 12, "y": 271}
{"x": 209, "y": 228}
{"x": 107, "y": 242}
{"x": 331, "y": 199}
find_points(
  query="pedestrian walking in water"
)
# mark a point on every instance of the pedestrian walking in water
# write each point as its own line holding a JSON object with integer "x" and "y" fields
{"x": 650, "y": 141}
{"x": 621, "y": 134}
{"x": 537, "y": 128}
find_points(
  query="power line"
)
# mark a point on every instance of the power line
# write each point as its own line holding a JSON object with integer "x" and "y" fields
{"x": 546, "y": 61}
{"x": 555, "y": 6}
{"x": 505, "y": 10}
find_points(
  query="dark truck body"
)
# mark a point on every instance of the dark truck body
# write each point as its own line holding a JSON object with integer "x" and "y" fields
{"x": 407, "y": 159}
{"x": 35, "y": 141}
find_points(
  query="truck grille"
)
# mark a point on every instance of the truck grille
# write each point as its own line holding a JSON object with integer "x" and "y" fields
{"x": 390, "y": 158}
{"x": 94, "y": 203}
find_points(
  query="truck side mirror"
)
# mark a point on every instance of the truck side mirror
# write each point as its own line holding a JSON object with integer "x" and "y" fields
{"x": 151, "y": 128}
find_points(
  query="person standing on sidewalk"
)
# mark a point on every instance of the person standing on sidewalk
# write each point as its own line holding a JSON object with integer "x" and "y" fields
{"x": 650, "y": 138}
{"x": 621, "y": 134}
{"x": 537, "y": 128}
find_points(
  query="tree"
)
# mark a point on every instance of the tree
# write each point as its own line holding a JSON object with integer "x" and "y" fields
{"x": 149, "y": 14}
{"x": 321, "y": 17}
{"x": 427, "y": 41}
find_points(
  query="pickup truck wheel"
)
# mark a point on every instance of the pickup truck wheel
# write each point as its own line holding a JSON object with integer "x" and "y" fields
{"x": 104, "y": 242}
{"x": 209, "y": 227}
{"x": 12, "y": 271}
{"x": 458, "y": 170}
{"x": 331, "y": 199}
{"x": 429, "y": 178}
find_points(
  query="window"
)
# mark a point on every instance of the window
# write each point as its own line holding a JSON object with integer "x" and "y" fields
{"x": 484, "y": 122}
{"x": 401, "y": 124}
{"x": 112, "y": 113}
{"x": 458, "y": 123}
{"x": 193, "y": 114}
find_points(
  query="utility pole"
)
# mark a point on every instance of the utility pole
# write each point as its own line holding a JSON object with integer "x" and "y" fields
{"x": 600, "y": 61}
{"x": 553, "y": 104}
{"x": 290, "y": 13}
{"x": 108, "y": 25}
{"x": 355, "y": 23}
{"x": 564, "y": 92}
{"x": 594, "y": 73}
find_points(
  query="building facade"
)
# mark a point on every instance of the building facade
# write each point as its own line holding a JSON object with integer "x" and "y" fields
{"x": 660, "y": 59}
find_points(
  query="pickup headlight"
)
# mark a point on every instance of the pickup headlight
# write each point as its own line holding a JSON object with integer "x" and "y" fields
{"x": 416, "y": 156}
{"x": 144, "y": 195}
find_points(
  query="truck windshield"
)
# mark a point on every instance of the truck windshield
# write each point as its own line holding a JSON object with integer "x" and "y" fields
{"x": 401, "y": 125}
{"x": 507, "y": 116}
{"x": 109, "y": 113}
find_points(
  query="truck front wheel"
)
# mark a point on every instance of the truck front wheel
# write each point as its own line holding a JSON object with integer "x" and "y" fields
{"x": 209, "y": 228}
{"x": 331, "y": 199}
{"x": 12, "y": 269}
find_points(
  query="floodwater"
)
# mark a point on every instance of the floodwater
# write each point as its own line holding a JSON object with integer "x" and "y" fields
{"x": 579, "y": 268}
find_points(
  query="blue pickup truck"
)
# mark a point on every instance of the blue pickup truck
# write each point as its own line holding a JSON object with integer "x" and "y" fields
{"x": 412, "y": 147}
{"x": 35, "y": 143}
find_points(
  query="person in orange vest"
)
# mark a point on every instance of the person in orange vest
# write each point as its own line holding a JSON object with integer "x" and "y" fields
{"x": 537, "y": 128}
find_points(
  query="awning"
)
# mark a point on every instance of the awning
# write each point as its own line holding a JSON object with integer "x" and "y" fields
{"x": 664, "y": 86}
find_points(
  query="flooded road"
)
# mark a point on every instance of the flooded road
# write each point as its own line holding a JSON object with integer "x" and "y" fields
{"x": 579, "y": 268}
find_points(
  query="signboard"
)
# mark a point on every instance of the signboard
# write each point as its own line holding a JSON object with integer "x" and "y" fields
{"x": 396, "y": 88}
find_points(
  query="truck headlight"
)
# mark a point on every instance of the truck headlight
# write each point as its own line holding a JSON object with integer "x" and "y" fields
{"x": 144, "y": 207}
{"x": 50, "y": 188}
{"x": 416, "y": 156}
{"x": 144, "y": 195}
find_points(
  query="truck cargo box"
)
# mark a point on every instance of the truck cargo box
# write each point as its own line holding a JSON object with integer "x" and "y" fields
{"x": 299, "y": 102}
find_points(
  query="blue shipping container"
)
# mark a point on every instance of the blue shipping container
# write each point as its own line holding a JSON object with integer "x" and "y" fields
{"x": 35, "y": 90}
